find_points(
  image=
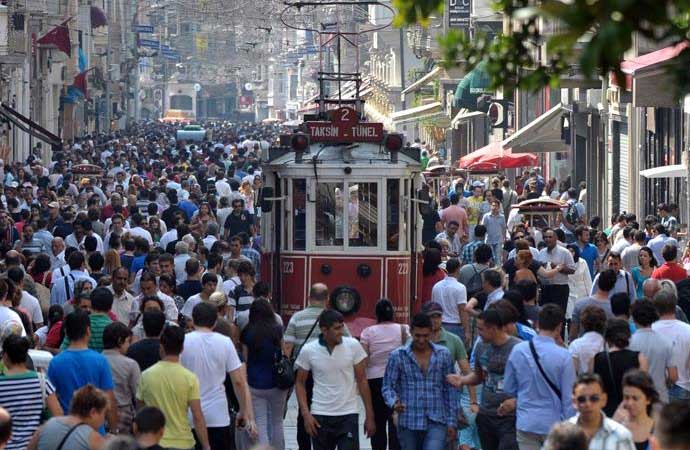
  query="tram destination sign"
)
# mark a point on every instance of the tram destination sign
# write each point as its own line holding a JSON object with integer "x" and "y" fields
{"x": 344, "y": 126}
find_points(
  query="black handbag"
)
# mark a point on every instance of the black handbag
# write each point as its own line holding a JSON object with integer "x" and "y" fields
{"x": 283, "y": 372}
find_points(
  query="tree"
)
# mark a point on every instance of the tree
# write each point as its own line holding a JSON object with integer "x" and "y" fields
{"x": 602, "y": 29}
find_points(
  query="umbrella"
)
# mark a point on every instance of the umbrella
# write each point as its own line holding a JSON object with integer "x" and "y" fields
{"x": 495, "y": 157}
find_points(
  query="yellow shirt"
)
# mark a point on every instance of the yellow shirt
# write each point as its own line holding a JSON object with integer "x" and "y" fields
{"x": 170, "y": 387}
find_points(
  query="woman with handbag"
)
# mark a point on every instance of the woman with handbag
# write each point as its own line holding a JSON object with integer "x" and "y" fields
{"x": 25, "y": 394}
{"x": 379, "y": 341}
{"x": 261, "y": 347}
{"x": 79, "y": 429}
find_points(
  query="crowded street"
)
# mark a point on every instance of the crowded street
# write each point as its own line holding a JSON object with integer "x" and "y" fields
{"x": 336, "y": 225}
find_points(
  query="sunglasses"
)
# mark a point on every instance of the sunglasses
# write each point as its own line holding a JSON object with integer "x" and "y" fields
{"x": 582, "y": 399}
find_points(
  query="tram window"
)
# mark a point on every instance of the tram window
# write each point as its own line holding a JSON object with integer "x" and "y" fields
{"x": 329, "y": 214}
{"x": 392, "y": 214}
{"x": 299, "y": 207}
{"x": 363, "y": 215}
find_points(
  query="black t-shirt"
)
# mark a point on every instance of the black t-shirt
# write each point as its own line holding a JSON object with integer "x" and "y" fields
{"x": 189, "y": 288}
{"x": 145, "y": 352}
{"x": 429, "y": 226}
{"x": 238, "y": 223}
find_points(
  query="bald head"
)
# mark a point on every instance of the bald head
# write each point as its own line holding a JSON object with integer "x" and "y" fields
{"x": 318, "y": 294}
{"x": 650, "y": 287}
{"x": 12, "y": 258}
{"x": 57, "y": 245}
{"x": 5, "y": 427}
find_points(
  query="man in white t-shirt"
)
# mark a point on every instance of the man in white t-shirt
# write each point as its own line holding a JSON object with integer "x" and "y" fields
{"x": 678, "y": 334}
{"x": 338, "y": 367}
{"x": 210, "y": 356}
{"x": 28, "y": 303}
{"x": 452, "y": 296}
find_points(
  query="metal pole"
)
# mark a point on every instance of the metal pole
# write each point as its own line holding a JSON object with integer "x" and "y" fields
{"x": 109, "y": 50}
{"x": 402, "y": 66}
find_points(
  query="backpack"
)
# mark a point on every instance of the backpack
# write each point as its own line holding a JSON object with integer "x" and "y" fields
{"x": 474, "y": 285}
{"x": 572, "y": 214}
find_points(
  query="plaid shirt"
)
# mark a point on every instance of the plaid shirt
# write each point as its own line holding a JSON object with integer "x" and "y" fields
{"x": 468, "y": 251}
{"x": 426, "y": 398}
{"x": 611, "y": 435}
{"x": 255, "y": 258}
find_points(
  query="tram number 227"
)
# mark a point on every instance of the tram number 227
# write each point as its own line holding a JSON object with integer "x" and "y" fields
{"x": 403, "y": 268}
{"x": 288, "y": 267}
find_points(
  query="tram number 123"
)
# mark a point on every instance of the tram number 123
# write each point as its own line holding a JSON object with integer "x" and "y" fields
{"x": 288, "y": 267}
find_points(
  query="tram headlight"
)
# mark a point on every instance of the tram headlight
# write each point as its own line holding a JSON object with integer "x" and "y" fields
{"x": 345, "y": 299}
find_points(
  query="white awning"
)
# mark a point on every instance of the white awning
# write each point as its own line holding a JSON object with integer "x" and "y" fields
{"x": 464, "y": 115}
{"x": 424, "y": 112}
{"x": 436, "y": 72}
{"x": 542, "y": 135}
{"x": 673, "y": 171}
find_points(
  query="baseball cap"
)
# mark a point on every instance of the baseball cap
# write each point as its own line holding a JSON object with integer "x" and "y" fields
{"x": 477, "y": 184}
{"x": 432, "y": 308}
{"x": 663, "y": 207}
{"x": 53, "y": 205}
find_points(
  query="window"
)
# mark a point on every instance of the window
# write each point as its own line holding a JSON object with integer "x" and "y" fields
{"x": 329, "y": 214}
{"x": 181, "y": 102}
{"x": 363, "y": 215}
{"x": 299, "y": 207}
{"x": 392, "y": 214}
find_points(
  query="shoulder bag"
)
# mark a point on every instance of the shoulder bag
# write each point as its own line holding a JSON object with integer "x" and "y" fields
{"x": 283, "y": 366}
{"x": 551, "y": 384}
{"x": 69, "y": 433}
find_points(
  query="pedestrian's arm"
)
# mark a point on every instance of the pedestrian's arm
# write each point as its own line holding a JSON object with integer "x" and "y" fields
{"x": 390, "y": 385}
{"x": 199, "y": 423}
{"x": 567, "y": 381}
{"x": 241, "y": 388}
{"x": 365, "y": 393}
{"x": 465, "y": 370}
{"x": 113, "y": 416}
{"x": 288, "y": 347}
{"x": 301, "y": 390}
{"x": 465, "y": 320}
{"x": 53, "y": 405}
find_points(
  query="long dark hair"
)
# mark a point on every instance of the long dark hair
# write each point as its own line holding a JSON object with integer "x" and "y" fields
{"x": 432, "y": 258}
{"x": 262, "y": 323}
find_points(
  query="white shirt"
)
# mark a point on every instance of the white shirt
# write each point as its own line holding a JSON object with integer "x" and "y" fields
{"x": 223, "y": 188}
{"x": 190, "y": 304}
{"x": 580, "y": 283}
{"x": 7, "y": 315}
{"x": 557, "y": 255}
{"x": 678, "y": 334}
{"x": 32, "y": 306}
{"x": 230, "y": 284}
{"x": 138, "y": 231}
{"x": 71, "y": 241}
{"x": 335, "y": 389}
{"x": 167, "y": 238}
{"x": 122, "y": 305}
{"x": 620, "y": 245}
{"x": 169, "y": 307}
{"x": 449, "y": 293}
{"x": 211, "y": 356}
{"x": 180, "y": 261}
{"x": 209, "y": 241}
{"x": 584, "y": 348}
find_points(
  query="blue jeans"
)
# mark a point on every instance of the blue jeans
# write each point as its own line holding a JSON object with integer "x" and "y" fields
{"x": 676, "y": 392}
{"x": 497, "y": 250}
{"x": 433, "y": 438}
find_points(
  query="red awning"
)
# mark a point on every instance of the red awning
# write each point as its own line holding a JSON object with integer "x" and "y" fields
{"x": 495, "y": 157}
{"x": 631, "y": 66}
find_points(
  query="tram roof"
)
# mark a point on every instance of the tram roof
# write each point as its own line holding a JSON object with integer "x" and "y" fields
{"x": 357, "y": 154}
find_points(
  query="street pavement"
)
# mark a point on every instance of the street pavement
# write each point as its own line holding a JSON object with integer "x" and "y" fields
{"x": 290, "y": 426}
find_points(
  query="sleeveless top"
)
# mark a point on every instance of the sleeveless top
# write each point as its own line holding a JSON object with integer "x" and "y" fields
{"x": 55, "y": 430}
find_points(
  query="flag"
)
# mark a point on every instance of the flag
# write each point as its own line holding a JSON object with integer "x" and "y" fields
{"x": 98, "y": 18}
{"x": 82, "y": 60}
{"x": 80, "y": 85}
{"x": 59, "y": 37}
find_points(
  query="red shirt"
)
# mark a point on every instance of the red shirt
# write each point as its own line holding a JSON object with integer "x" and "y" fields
{"x": 671, "y": 271}
{"x": 428, "y": 283}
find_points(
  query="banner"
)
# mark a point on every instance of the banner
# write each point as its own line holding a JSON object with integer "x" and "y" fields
{"x": 459, "y": 13}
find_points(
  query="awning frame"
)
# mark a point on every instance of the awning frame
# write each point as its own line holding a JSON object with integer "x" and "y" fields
{"x": 29, "y": 126}
{"x": 542, "y": 135}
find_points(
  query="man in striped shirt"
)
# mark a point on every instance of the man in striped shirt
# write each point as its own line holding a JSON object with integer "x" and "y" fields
{"x": 296, "y": 335}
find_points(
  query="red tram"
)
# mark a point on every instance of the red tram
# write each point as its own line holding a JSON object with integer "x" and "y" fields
{"x": 343, "y": 214}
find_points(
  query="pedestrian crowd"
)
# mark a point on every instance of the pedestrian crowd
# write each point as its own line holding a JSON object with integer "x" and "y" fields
{"x": 133, "y": 315}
